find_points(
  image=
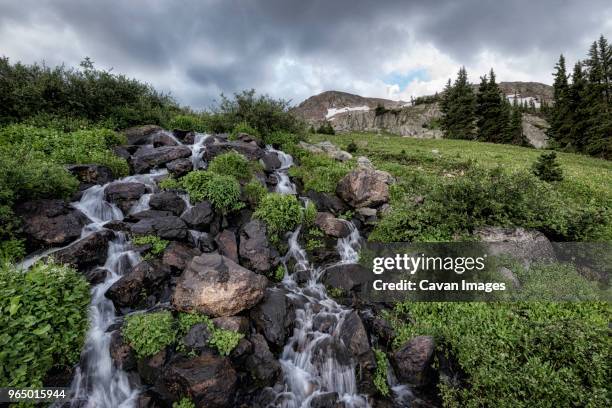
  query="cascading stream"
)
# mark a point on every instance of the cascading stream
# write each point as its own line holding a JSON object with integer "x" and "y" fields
{"x": 310, "y": 360}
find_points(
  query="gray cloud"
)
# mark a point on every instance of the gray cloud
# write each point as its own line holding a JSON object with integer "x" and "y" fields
{"x": 291, "y": 49}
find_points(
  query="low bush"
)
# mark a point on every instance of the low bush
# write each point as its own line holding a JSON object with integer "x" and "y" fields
{"x": 43, "y": 320}
{"x": 169, "y": 183}
{"x": 279, "y": 139}
{"x": 516, "y": 354}
{"x": 318, "y": 172}
{"x": 547, "y": 167}
{"x": 157, "y": 244}
{"x": 192, "y": 122}
{"x": 222, "y": 191}
{"x": 232, "y": 164}
{"x": 380, "y": 375}
{"x": 326, "y": 129}
{"x": 281, "y": 213}
{"x": 243, "y": 127}
{"x": 254, "y": 191}
{"x": 149, "y": 333}
{"x": 183, "y": 403}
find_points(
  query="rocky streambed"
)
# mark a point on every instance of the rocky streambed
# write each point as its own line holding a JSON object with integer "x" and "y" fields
{"x": 300, "y": 346}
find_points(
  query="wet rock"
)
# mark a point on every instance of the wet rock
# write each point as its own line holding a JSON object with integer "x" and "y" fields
{"x": 524, "y": 245}
{"x": 215, "y": 285}
{"x": 274, "y": 316}
{"x": 348, "y": 277}
{"x": 256, "y": 252}
{"x": 50, "y": 222}
{"x": 331, "y": 225}
{"x": 208, "y": 379}
{"x": 178, "y": 255}
{"x": 91, "y": 173}
{"x": 121, "y": 353}
{"x": 238, "y": 324}
{"x": 199, "y": 216}
{"x": 270, "y": 162}
{"x": 116, "y": 225}
{"x": 165, "y": 227}
{"x": 145, "y": 159}
{"x": 325, "y": 400}
{"x": 162, "y": 139}
{"x": 206, "y": 242}
{"x": 87, "y": 252}
{"x": 226, "y": 242}
{"x": 167, "y": 201}
{"x": 262, "y": 364}
{"x": 413, "y": 361}
{"x": 121, "y": 151}
{"x": 142, "y": 215}
{"x": 150, "y": 368}
{"x": 327, "y": 202}
{"x": 218, "y": 146}
{"x": 365, "y": 187}
{"x": 197, "y": 337}
{"x": 179, "y": 167}
{"x": 378, "y": 327}
{"x": 181, "y": 134}
{"x": 96, "y": 275}
{"x": 128, "y": 290}
{"x": 331, "y": 348}
{"x": 140, "y": 134}
{"x": 124, "y": 195}
{"x": 354, "y": 336}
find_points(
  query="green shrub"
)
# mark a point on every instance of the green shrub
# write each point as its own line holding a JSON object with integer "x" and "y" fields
{"x": 547, "y": 167}
{"x": 191, "y": 122}
{"x": 222, "y": 191}
{"x": 243, "y": 127}
{"x": 187, "y": 320}
{"x": 352, "y": 147}
{"x": 254, "y": 191}
{"x": 149, "y": 333}
{"x": 280, "y": 139}
{"x": 318, "y": 172}
{"x": 517, "y": 354}
{"x": 380, "y": 375}
{"x": 279, "y": 273}
{"x": 224, "y": 340}
{"x": 310, "y": 214}
{"x": 326, "y": 129}
{"x": 169, "y": 183}
{"x": 231, "y": 164}
{"x": 183, "y": 403}
{"x": 43, "y": 320}
{"x": 11, "y": 250}
{"x": 158, "y": 245}
{"x": 281, "y": 213}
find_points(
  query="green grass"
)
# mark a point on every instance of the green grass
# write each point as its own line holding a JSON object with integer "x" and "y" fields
{"x": 587, "y": 179}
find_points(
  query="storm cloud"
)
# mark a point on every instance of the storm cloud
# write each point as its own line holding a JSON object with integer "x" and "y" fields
{"x": 294, "y": 49}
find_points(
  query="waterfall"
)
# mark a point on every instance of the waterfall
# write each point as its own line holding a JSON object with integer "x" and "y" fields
{"x": 196, "y": 150}
{"x": 310, "y": 362}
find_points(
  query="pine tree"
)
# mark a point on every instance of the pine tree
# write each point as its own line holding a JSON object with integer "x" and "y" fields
{"x": 492, "y": 111}
{"x": 458, "y": 108}
{"x": 547, "y": 168}
{"x": 515, "y": 126}
{"x": 559, "y": 123}
{"x": 578, "y": 109}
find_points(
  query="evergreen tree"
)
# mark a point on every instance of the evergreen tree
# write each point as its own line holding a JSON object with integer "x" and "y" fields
{"x": 578, "y": 110}
{"x": 492, "y": 111}
{"x": 457, "y": 107}
{"x": 515, "y": 133}
{"x": 559, "y": 123}
{"x": 547, "y": 168}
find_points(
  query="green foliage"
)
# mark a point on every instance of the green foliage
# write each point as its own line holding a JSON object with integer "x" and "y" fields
{"x": 149, "y": 333}
{"x": 310, "y": 214}
{"x": 231, "y": 164}
{"x": 43, "y": 320}
{"x": 11, "y": 250}
{"x": 88, "y": 93}
{"x": 336, "y": 293}
{"x": 326, "y": 129}
{"x": 222, "y": 191}
{"x": 318, "y": 172}
{"x": 517, "y": 354}
{"x": 187, "y": 320}
{"x": 380, "y": 375}
{"x": 224, "y": 340}
{"x": 352, "y": 147}
{"x": 547, "y": 168}
{"x": 458, "y": 108}
{"x": 279, "y": 273}
{"x": 254, "y": 191}
{"x": 169, "y": 183}
{"x": 280, "y": 139}
{"x": 243, "y": 127}
{"x": 280, "y": 212}
{"x": 158, "y": 245}
{"x": 183, "y": 403}
{"x": 192, "y": 122}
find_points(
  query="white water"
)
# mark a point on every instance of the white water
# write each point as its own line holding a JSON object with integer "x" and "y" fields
{"x": 309, "y": 360}
{"x": 197, "y": 149}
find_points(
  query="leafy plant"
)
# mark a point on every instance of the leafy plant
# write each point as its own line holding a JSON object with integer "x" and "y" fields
{"x": 547, "y": 167}
{"x": 183, "y": 403}
{"x": 281, "y": 138}
{"x": 279, "y": 273}
{"x": 231, "y": 164}
{"x": 224, "y": 340}
{"x": 380, "y": 375}
{"x": 158, "y": 245}
{"x": 191, "y": 122}
{"x": 336, "y": 293}
{"x": 280, "y": 212}
{"x": 310, "y": 213}
{"x": 43, "y": 320}
{"x": 169, "y": 183}
{"x": 317, "y": 171}
{"x": 243, "y": 127}
{"x": 254, "y": 191}
{"x": 222, "y": 191}
{"x": 149, "y": 333}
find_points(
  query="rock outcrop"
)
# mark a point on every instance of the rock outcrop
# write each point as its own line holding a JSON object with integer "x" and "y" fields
{"x": 365, "y": 187}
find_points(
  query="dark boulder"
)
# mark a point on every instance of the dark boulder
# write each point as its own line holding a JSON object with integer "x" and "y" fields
{"x": 325, "y": 400}
{"x": 238, "y": 324}
{"x": 116, "y": 225}
{"x": 413, "y": 361}
{"x": 248, "y": 149}
{"x": 165, "y": 227}
{"x": 199, "y": 216}
{"x": 150, "y": 368}
{"x": 181, "y": 134}
{"x": 163, "y": 139}
{"x": 179, "y": 167}
{"x": 178, "y": 255}
{"x": 209, "y": 380}
{"x": 205, "y": 242}
{"x": 86, "y": 252}
{"x": 50, "y": 222}
{"x": 256, "y": 252}
{"x": 348, "y": 277}
{"x": 96, "y": 275}
{"x": 354, "y": 336}
{"x": 121, "y": 353}
{"x": 140, "y": 134}
{"x": 274, "y": 316}
{"x": 226, "y": 242}
{"x": 91, "y": 173}
{"x": 270, "y": 162}
{"x": 121, "y": 151}
{"x": 145, "y": 159}
{"x": 127, "y": 291}
{"x": 332, "y": 226}
{"x": 145, "y": 214}
{"x": 124, "y": 195}
{"x": 262, "y": 365}
{"x": 327, "y": 202}
{"x": 167, "y": 201}
{"x": 197, "y": 337}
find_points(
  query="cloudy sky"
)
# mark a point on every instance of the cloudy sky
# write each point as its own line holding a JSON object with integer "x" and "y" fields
{"x": 294, "y": 49}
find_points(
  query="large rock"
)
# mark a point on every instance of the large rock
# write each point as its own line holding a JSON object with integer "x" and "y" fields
{"x": 209, "y": 380}
{"x": 165, "y": 227}
{"x": 217, "y": 286}
{"x": 365, "y": 187}
{"x": 327, "y": 202}
{"x": 178, "y": 255}
{"x": 179, "y": 167}
{"x": 348, "y": 277}
{"x": 524, "y": 245}
{"x": 226, "y": 242}
{"x": 274, "y": 316}
{"x": 199, "y": 216}
{"x": 197, "y": 337}
{"x": 270, "y": 162}
{"x": 140, "y": 134}
{"x": 121, "y": 353}
{"x": 91, "y": 173}
{"x": 413, "y": 361}
{"x": 87, "y": 252}
{"x": 124, "y": 195}
{"x": 217, "y": 146}
{"x": 256, "y": 252}
{"x": 163, "y": 139}
{"x": 353, "y": 334}
{"x": 50, "y": 222}
{"x": 331, "y": 225}
{"x": 127, "y": 290}
{"x": 167, "y": 201}
{"x": 262, "y": 365}
{"x": 145, "y": 159}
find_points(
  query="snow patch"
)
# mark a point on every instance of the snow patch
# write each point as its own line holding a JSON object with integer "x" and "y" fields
{"x": 334, "y": 111}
